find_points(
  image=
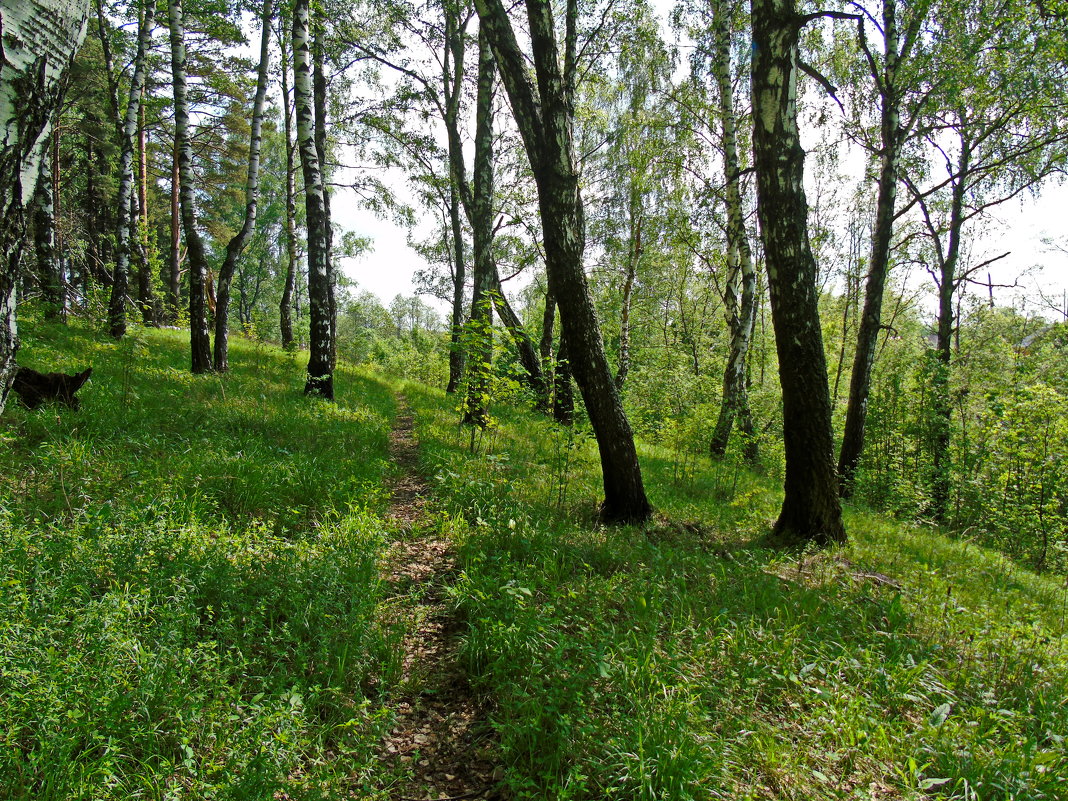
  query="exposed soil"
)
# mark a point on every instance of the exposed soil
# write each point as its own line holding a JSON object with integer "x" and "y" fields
{"x": 441, "y": 746}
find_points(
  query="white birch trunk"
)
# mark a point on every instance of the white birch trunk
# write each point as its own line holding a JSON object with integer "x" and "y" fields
{"x": 127, "y": 223}
{"x": 38, "y": 40}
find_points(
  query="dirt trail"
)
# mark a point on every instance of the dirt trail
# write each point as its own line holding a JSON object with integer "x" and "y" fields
{"x": 441, "y": 744}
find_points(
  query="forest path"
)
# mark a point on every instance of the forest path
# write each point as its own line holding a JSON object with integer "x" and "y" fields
{"x": 441, "y": 744}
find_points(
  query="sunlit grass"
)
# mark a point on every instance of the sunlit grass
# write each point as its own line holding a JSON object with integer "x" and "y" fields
{"x": 683, "y": 660}
{"x": 189, "y": 584}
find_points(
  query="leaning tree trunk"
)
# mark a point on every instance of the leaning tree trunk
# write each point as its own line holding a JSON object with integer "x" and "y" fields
{"x": 871, "y": 317}
{"x": 39, "y": 39}
{"x": 199, "y": 336}
{"x": 320, "y": 372}
{"x": 524, "y": 345}
{"x": 481, "y": 330}
{"x": 811, "y": 510}
{"x": 236, "y": 246}
{"x": 127, "y": 228}
{"x": 545, "y": 117}
{"x": 741, "y": 273}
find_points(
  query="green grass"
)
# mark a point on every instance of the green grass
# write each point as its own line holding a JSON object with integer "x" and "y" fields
{"x": 190, "y": 607}
{"x": 684, "y": 661}
{"x": 189, "y": 594}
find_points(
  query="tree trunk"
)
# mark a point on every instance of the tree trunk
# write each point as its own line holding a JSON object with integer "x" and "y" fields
{"x": 285, "y": 306}
{"x": 174, "y": 272}
{"x": 49, "y": 267}
{"x": 524, "y": 345}
{"x": 633, "y": 257}
{"x": 452, "y": 84}
{"x": 199, "y": 336}
{"x": 319, "y": 90}
{"x": 320, "y": 373}
{"x": 127, "y": 220}
{"x": 481, "y": 327}
{"x": 941, "y": 405}
{"x": 811, "y": 509}
{"x": 146, "y": 296}
{"x": 545, "y": 118}
{"x": 38, "y": 43}
{"x": 563, "y": 397}
{"x": 741, "y": 272}
{"x": 871, "y": 317}
{"x": 236, "y": 246}
{"x": 545, "y": 352}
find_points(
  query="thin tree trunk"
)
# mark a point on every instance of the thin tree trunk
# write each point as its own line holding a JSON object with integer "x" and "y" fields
{"x": 49, "y": 269}
{"x": 633, "y": 257}
{"x": 545, "y": 351}
{"x": 320, "y": 373}
{"x": 199, "y": 335}
{"x": 481, "y": 331}
{"x": 236, "y": 246}
{"x": 524, "y": 344}
{"x": 452, "y": 84}
{"x": 285, "y": 306}
{"x": 811, "y": 510}
{"x": 319, "y": 90}
{"x": 31, "y": 89}
{"x": 739, "y": 307}
{"x": 563, "y": 397}
{"x": 545, "y": 117}
{"x": 127, "y": 222}
{"x": 146, "y": 294}
{"x": 871, "y": 317}
{"x": 174, "y": 275}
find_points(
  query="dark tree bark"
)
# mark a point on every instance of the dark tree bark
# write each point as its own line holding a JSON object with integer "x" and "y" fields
{"x": 892, "y": 137}
{"x": 319, "y": 92}
{"x": 38, "y": 43}
{"x": 739, "y": 300}
{"x": 236, "y": 246}
{"x": 481, "y": 326}
{"x": 459, "y": 192}
{"x": 545, "y": 117}
{"x": 320, "y": 370}
{"x": 533, "y": 374}
{"x": 545, "y": 352}
{"x": 563, "y": 397}
{"x": 811, "y": 510}
{"x": 199, "y": 336}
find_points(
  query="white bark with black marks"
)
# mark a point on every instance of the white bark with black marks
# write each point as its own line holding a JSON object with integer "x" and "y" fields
{"x": 38, "y": 40}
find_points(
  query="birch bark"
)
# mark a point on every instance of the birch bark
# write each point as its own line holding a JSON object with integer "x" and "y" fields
{"x": 199, "y": 336}
{"x": 38, "y": 40}
{"x": 236, "y": 246}
{"x": 811, "y": 510}
{"x": 127, "y": 222}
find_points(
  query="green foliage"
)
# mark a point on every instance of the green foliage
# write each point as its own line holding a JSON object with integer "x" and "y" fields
{"x": 189, "y": 591}
{"x": 685, "y": 661}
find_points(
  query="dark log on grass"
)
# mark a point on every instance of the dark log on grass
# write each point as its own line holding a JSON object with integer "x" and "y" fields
{"x": 34, "y": 388}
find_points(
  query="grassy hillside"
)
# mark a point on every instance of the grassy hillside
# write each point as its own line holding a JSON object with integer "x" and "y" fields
{"x": 188, "y": 580}
{"x": 190, "y": 607}
{"x": 685, "y": 661}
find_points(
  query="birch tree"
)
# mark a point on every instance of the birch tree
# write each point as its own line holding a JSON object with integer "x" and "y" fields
{"x": 811, "y": 510}
{"x": 320, "y": 379}
{"x": 199, "y": 336}
{"x": 127, "y": 222}
{"x": 39, "y": 40}
{"x": 544, "y": 112}
{"x": 236, "y": 246}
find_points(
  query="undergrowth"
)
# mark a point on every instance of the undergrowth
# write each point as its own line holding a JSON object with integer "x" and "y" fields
{"x": 683, "y": 660}
{"x": 188, "y": 580}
